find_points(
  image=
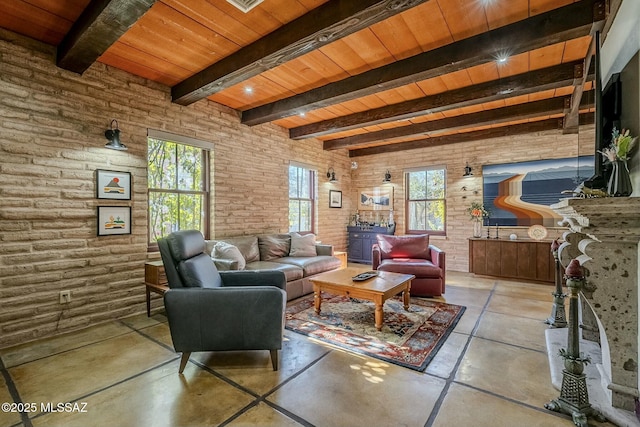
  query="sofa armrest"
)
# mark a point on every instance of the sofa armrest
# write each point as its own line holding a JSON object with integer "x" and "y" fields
{"x": 324, "y": 249}
{"x": 254, "y": 278}
{"x": 375, "y": 256}
{"x": 208, "y": 319}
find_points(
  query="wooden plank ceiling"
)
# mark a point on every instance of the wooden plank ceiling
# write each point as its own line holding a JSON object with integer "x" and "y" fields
{"x": 369, "y": 76}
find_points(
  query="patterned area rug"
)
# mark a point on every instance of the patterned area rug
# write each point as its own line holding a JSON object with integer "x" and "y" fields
{"x": 408, "y": 338}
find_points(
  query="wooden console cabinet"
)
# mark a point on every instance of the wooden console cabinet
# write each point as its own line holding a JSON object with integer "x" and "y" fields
{"x": 515, "y": 259}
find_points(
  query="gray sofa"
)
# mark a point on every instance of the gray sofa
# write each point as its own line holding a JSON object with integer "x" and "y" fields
{"x": 274, "y": 252}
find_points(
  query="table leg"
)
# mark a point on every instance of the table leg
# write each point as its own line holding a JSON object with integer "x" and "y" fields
{"x": 379, "y": 315}
{"x": 148, "y": 301}
{"x": 406, "y": 295}
{"x": 317, "y": 298}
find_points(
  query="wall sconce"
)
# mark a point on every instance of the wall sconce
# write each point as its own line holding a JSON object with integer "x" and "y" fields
{"x": 467, "y": 171}
{"x": 113, "y": 135}
{"x": 331, "y": 174}
{"x": 387, "y": 178}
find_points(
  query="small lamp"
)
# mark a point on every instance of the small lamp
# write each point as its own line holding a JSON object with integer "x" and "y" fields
{"x": 467, "y": 171}
{"x": 331, "y": 174}
{"x": 113, "y": 135}
{"x": 387, "y": 178}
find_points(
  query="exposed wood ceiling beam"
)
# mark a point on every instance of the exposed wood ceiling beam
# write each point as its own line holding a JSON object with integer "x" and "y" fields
{"x": 528, "y": 110}
{"x": 322, "y": 25}
{"x": 99, "y": 26}
{"x": 519, "y": 129}
{"x": 562, "y": 24}
{"x": 571, "y": 117}
{"x": 521, "y": 84}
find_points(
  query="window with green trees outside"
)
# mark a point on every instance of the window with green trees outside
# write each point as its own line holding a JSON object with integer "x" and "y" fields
{"x": 178, "y": 188}
{"x": 301, "y": 199}
{"x": 425, "y": 201}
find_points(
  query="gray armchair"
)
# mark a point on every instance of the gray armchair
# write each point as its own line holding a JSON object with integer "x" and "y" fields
{"x": 215, "y": 311}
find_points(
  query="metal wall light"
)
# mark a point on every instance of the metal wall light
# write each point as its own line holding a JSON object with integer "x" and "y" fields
{"x": 467, "y": 171}
{"x": 331, "y": 174}
{"x": 387, "y": 178}
{"x": 113, "y": 135}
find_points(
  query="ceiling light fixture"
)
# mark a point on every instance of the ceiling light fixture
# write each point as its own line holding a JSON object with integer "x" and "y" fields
{"x": 302, "y": 114}
{"x": 248, "y": 89}
{"x": 113, "y": 135}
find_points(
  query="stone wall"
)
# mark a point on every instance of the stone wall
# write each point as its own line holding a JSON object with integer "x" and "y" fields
{"x": 52, "y": 126}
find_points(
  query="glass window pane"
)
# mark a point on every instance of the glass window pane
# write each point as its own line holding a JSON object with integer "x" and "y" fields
{"x": 162, "y": 164}
{"x": 189, "y": 168}
{"x": 417, "y": 185}
{"x": 435, "y": 184}
{"x": 191, "y": 212}
{"x": 305, "y": 184}
{"x": 293, "y": 181}
{"x": 294, "y": 215}
{"x": 435, "y": 215}
{"x": 305, "y": 215}
{"x": 417, "y": 215}
{"x": 163, "y": 214}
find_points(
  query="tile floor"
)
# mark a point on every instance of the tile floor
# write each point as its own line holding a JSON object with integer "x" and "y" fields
{"x": 492, "y": 371}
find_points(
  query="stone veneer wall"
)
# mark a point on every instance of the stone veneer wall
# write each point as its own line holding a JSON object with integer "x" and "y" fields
{"x": 52, "y": 126}
{"x": 462, "y": 191}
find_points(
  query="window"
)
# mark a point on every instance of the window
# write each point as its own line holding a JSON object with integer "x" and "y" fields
{"x": 178, "y": 186}
{"x": 426, "y": 207}
{"x": 301, "y": 199}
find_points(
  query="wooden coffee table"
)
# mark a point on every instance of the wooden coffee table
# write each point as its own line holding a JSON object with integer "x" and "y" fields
{"x": 377, "y": 289}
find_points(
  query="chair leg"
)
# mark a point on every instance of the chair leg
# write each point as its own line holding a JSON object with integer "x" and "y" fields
{"x": 274, "y": 359}
{"x": 184, "y": 360}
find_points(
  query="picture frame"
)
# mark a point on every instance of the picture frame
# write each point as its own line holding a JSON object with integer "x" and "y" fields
{"x": 375, "y": 199}
{"x": 335, "y": 199}
{"x": 114, "y": 220}
{"x": 113, "y": 185}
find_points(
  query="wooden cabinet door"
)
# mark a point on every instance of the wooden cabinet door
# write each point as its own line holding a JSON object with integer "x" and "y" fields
{"x": 527, "y": 260}
{"x": 545, "y": 267}
{"x": 509, "y": 259}
{"x": 478, "y": 259}
{"x": 494, "y": 259}
{"x": 355, "y": 247}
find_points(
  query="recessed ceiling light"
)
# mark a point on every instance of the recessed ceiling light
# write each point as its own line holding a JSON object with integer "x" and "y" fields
{"x": 248, "y": 89}
{"x": 302, "y": 114}
{"x": 502, "y": 59}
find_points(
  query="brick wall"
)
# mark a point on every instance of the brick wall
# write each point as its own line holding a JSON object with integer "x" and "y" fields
{"x": 52, "y": 126}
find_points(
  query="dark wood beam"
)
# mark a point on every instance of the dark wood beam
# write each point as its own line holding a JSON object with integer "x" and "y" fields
{"x": 528, "y": 110}
{"x": 521, "y": 84}
{"x": 562, "y": 24}
{"x": 99, "y": 26}
{"x": 322, "y": 25}
{"x": 519, "y": 129}
{"x": 571, "y": 117}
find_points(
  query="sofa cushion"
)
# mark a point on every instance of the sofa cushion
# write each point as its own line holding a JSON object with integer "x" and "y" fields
{"x": 311, "y": 265}
{"x": 247, "y": 245}
{"x": 291, "y": 272}
{"x": 411, "y": 246}
{"x": 418, "y": 267}
{"x": 303, "y": 245}
{"x": 227, "y": 251}
{"x": 274, "y": 246}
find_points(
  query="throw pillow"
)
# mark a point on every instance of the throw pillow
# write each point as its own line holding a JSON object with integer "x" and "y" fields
{"x": 225, "y": 250}
{"x": 412, "y": 246}
{"x": 274, "y": 246}
{"x": 303, "y": 245}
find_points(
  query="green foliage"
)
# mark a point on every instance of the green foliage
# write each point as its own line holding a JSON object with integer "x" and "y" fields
{"x": 176, "y": 188}
{"x": 426, "y": 206}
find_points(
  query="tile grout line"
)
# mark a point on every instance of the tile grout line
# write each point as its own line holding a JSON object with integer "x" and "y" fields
{"x": 450, "y": 379}
{"x": 15, "y": 395}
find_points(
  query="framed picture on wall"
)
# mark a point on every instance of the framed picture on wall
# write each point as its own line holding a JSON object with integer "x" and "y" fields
{"x": 114, "y": 220}
{"x": 375, "y": 199}
{"x": 335, "y": 199}
{"x": 113, "y": 185}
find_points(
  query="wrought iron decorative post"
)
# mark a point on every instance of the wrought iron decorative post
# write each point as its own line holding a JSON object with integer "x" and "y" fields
{"x": 558, "y": 317}
{"x": 574, "y": 397}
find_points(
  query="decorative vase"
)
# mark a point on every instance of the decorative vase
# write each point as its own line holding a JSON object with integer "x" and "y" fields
{"x": 619, "y": 182}
{"x": 477, "y": 228}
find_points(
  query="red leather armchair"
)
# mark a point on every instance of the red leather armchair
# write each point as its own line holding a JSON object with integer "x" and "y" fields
{"x": 412, "y": 254}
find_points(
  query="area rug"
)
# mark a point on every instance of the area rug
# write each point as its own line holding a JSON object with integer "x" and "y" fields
{"x": 408, "y": 338}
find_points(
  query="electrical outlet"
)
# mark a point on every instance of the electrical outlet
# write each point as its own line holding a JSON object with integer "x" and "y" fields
{"x": 65, "y": 297}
